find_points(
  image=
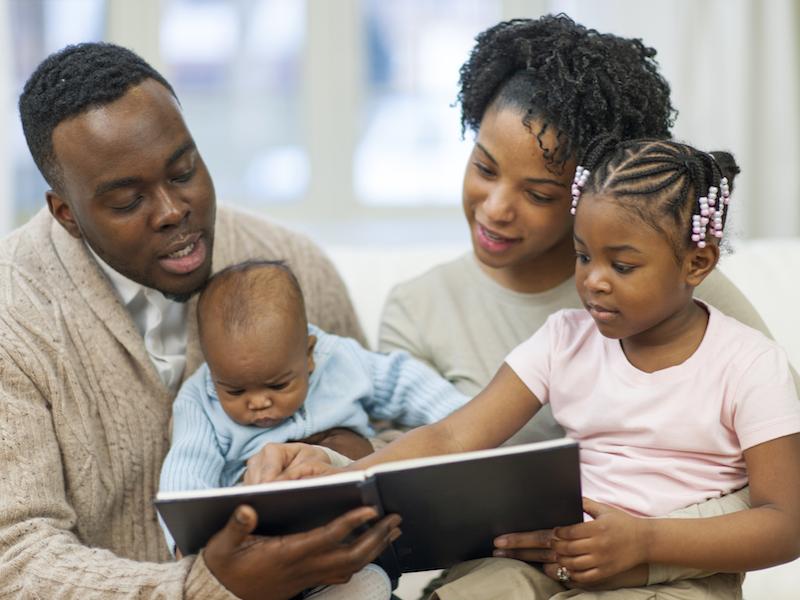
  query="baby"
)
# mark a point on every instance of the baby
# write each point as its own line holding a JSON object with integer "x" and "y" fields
{"x": 270, "y": 376}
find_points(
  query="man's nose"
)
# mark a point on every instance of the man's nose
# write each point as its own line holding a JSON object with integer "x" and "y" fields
{"x": 170, "y": 209}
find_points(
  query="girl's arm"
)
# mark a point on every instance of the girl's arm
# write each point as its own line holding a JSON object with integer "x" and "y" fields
{"x": 487, "y": 421}
{"x": 763, "y": 536}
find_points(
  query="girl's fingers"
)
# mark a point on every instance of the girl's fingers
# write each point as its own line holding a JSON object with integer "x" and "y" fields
{"x": 528, "y": 539}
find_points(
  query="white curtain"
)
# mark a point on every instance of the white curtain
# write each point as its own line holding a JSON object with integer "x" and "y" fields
{"x": 734, "y": 70}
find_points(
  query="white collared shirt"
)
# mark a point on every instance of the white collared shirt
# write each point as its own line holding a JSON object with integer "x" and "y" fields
{"x": 160, "y": 321}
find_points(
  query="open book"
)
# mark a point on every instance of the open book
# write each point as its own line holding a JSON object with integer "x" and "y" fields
{"x": 453, "y": 506}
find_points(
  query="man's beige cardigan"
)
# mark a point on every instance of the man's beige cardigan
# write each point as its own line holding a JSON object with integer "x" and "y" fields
{"x": 84, "y": 415}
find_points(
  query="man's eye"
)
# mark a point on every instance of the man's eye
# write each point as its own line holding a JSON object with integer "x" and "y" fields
{"x": 130, "y": 206}
{"x": 184, "y": 177}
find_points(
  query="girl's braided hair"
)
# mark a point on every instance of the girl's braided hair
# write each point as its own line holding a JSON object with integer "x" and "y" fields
{"x": 581, "y": 82}
{"x": 659, "y": 180}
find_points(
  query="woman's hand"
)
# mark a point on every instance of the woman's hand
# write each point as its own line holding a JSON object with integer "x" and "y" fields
{"x": 276, "y": 461}
{"x": 593, "y": 552}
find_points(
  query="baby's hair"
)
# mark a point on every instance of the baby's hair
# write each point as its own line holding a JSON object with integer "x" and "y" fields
{"x": 661, "y": 181}
{"x": 581, "y": 82}
{"x": 247, "y": 291}
{"x": 70, "y": 82}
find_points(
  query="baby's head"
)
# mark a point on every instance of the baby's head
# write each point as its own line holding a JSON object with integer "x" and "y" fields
{"x": 254, "y": 335}
{"x": 648, "y": 219}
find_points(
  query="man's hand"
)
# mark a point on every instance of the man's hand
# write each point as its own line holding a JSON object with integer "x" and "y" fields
{"x": 273, "y": 459}
{"x": 529, "y": 546}
{"x": 344, "y": 441}
{"x": 277, "y": 568}
{"x": 613, "y": 543}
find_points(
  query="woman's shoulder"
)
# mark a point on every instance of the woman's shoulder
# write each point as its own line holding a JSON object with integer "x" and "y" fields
{"x": 440, "y": 282}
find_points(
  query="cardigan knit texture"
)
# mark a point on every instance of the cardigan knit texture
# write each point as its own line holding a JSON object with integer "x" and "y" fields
{"x": 84, "y": 416}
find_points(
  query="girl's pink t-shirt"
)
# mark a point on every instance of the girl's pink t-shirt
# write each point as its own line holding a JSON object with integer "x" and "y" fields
{"x": 655, "y": 442}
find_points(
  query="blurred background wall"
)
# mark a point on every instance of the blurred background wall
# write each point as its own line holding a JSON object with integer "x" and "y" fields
{"x": 337, "y": 116}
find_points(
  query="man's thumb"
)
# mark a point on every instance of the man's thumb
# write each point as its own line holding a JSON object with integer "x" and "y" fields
{"x": 241, "y": 524}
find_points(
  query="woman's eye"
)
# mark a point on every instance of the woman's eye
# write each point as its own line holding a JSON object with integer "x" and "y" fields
{"x": 483, "y": 169}
{"x": 539, "y": 198}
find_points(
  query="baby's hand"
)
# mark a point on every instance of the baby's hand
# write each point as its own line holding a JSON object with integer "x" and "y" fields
{"x": 612, "y": 543}
{"x": 276, "y": 461}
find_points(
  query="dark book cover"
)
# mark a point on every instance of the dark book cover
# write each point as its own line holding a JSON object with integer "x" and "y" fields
{"x": 453, "y": 506}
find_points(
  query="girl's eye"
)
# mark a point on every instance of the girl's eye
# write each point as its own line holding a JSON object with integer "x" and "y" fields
{"x": 483, "y": 169}
{"x": 623, "y": 269}
{"x": 582, "y": 258}
{"x": 130, "y": 206}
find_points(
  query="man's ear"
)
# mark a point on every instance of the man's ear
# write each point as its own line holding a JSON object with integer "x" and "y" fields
{"x": 312, "y": 341}
{"x": 699, "y": 262}
{"x": 62, "y": 213}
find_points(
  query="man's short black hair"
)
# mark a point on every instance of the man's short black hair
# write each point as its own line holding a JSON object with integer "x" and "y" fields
{"x": 72, "y": 81}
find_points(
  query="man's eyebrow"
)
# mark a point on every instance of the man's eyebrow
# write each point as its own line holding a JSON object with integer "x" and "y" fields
{"x": 116, "y": 184}
{"x": 190, "y": 145}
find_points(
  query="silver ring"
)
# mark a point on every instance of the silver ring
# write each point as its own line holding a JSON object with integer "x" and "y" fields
{"x": 562, "y": 574}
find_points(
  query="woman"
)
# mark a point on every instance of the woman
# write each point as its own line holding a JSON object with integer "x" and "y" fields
{"x": 534, "y": 92}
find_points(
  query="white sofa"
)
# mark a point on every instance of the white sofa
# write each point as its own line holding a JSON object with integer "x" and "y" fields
{"x": 767, "y": 271}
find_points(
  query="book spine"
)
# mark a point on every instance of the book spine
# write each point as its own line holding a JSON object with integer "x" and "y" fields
{"x": 388, "y": 559}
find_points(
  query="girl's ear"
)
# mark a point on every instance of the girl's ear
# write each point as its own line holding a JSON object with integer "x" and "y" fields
{"x": 699, "y": 262}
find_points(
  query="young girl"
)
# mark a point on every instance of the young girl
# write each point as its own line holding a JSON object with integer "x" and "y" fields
{"x": 672, "y": 401}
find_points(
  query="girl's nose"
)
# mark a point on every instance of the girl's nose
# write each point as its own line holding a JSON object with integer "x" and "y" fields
{"x": 596, "y": 282}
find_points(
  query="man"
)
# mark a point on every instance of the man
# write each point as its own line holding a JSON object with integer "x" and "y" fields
{"x": 97, "y": 331}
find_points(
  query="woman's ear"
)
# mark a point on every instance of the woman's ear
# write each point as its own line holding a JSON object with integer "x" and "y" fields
{"x": 699, "y": 262}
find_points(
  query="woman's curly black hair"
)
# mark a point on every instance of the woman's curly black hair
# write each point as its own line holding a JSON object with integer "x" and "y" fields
{"x": 70, "y": 82}
{"x": 557, "y": 72}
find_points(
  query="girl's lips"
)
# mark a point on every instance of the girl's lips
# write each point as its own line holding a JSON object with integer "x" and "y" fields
{"x": 187, "y": 260}
{"x": 600, "y": 313}
{"x": 493, "y": 242}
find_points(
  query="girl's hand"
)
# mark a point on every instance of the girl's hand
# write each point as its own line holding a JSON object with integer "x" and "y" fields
{"x": 613, "y": 543}
{"x": 636, "y": 577}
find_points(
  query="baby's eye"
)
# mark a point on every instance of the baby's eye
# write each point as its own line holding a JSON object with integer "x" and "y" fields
{"x": 278, "y": 386}
{"x": 234, "y": 392}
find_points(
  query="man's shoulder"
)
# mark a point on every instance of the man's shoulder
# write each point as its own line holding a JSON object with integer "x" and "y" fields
{"x": 242, "y": 235}
{"x": 28, "y": 258}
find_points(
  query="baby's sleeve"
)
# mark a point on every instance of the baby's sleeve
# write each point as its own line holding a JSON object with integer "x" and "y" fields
{"x": 531, "y": 359}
